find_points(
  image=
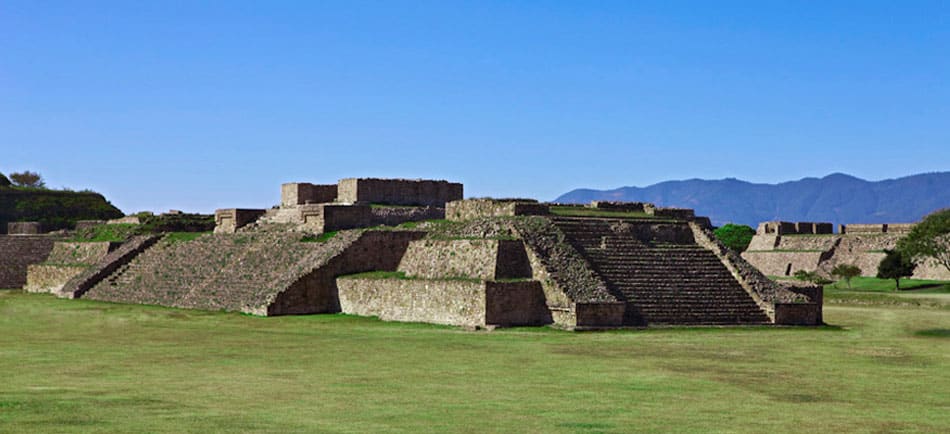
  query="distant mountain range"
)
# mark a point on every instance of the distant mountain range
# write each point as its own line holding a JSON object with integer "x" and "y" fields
{"x": 836, "y": 198}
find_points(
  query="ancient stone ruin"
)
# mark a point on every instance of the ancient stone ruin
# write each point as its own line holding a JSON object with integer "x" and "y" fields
{"x": 415, "y": 250}
{"x": 783, "y": 248}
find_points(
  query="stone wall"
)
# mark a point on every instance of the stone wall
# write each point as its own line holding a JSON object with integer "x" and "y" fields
{"x": 480, "y": 259}
{"x": 300, "y": 193}
{"x": 675, "y": 213}
{"x": 764, "y": 242}
{"x": 228, "y": 221}
{"x": 598, "y": 315}
{"x": 622, "y": 206}
{"x": 451, "y": 302}
{"x": 398, "y": 191}
{"x": 328, "y": 217}
{"x": 463, "y": 210}
{"x": 794, "y": 228}
{"x": 798, "y": 314}
{"x": 66, "y": 260}
{"x": 780, "y": 263}
{"x": 50, "y": 278}
{"x": 388, "y": 216}
{"x": 804, "y": 242}
{"x": 65, "y": 252}
{"x": 863, "y": 248}
{"x": 17, "y": 252}
{"x": 24, "y": 228}
{"x": 312, "y": 287}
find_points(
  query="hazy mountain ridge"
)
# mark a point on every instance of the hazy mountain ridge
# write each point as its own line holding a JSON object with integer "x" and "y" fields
{"x": 836, "y": 198}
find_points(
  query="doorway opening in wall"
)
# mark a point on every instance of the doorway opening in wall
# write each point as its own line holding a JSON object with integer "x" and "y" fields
{"x": 788, "y": 270}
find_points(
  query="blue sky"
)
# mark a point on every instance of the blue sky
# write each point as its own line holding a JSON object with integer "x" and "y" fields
{"x": 198, "y": 106}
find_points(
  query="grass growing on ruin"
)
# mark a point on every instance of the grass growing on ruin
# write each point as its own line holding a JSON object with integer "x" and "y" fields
{"x": 572, "y": 211}
{"x": 322, "y": 238}
{"x": 112, "y": 232}
{"x": 84, "y": 366}
{"x": 179, "y": 237}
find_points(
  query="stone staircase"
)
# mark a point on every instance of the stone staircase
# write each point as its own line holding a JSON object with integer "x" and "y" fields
{"x": 235, "y": 272}
{"x": 663, "y": 281}
{"x": 290, "y": 215}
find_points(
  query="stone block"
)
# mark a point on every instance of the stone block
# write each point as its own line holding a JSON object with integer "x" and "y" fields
{"x": 228, "y": 221}
{"x": 24, "y": 228}
{"x": 398, "y": 191}
{"x": 477, "y": 259}
{"x": 802, "y": 314}
{"x": 300, "y": 193}
{"x": 599, "y": 315}
{"x": 450, "y": 302}
{"x": 462, "y": 210}
{"x": 50, "y": 278}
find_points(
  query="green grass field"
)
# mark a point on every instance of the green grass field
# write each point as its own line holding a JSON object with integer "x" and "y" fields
{"x": 84, "y": 366}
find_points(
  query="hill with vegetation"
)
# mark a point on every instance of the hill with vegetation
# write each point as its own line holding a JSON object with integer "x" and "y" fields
{"x": 55, "y": 209}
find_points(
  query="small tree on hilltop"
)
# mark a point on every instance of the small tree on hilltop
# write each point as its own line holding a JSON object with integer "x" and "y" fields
{"x": 894, "y": 266}
{"x": 846, "y": 272}
{"x": 929, "y": 239}
{"x": 27, "y": 179}
{"x": 735, "y": 237}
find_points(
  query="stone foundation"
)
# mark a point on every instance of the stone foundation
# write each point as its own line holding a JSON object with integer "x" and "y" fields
{"x": 471, "y": 209}
{"x": 450, "y": 302}
{"x": 301, "y": 193}
{"x": 24, "y": 228}
{"x": 479, "y": 259}
{"x": 398, "y": 191}
{"x": 228, "y": 221}
{"x": 17, "y": 252}
{"x": 50, "y": 278}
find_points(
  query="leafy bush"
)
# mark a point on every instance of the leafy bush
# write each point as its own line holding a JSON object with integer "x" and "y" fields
{"x": 735, "y": 237}
{"x": 894, "y": 266}
{"x": 846, "y": 272}
{"x": 811, "y": 276}
{"x": 27, "y": 179}
{"x": 929, "y": 239}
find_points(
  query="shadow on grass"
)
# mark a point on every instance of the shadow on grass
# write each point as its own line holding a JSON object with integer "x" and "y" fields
{"x": 934, "y": 333}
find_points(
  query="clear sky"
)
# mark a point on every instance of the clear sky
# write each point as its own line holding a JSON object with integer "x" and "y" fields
{"x": 204, "y": 105}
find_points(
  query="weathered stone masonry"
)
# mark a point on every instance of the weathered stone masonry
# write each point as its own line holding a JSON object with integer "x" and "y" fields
{"x": 495, "y": 263}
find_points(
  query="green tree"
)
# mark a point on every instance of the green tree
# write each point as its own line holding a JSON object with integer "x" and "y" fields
{"x": 894, "y": 266}
{"x": 4, "y": 181}
{"x": 929, "y": 239}
{"x": 846, "y": 272}
{"x": 735, "y": 237}
{"x": 27, "y": 179}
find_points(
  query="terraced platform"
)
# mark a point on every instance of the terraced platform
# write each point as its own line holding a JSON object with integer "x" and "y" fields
{"x": 662, "y": 274}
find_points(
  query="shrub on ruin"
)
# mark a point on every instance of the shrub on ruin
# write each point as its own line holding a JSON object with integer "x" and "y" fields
{"x": 811, "y": 276}
{"x": 735, "y": 237}
{"x": 894, "y": 266}
{"x": 846, "y": 272}
{"x": 27, "y": 179}
{"x": 929, "y": 239}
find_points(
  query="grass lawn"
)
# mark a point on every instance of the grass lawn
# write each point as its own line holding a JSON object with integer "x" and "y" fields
{"x": 85, "y": 366}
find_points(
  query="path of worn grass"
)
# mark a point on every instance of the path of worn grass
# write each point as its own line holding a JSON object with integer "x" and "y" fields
{"x": 84, "y": 366}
